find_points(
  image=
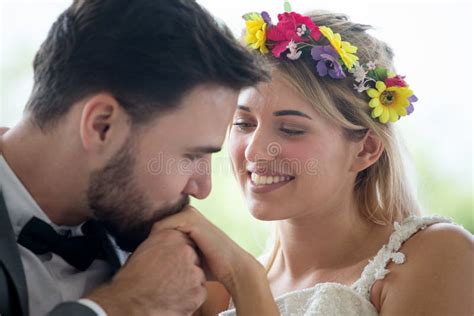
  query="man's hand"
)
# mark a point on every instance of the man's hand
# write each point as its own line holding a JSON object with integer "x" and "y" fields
{"x": 162, "y": 277}
{"x": 241, "y": 274}
{"x": 222, "y": 256}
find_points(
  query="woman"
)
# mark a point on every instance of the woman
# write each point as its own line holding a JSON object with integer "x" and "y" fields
{"x": 315, "y": 150}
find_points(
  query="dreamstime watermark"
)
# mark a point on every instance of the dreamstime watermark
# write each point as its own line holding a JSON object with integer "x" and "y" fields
{"x": 274, "y": 149}
{"x": 271, "y": 161}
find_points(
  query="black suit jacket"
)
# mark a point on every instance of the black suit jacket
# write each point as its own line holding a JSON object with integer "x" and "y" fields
{"x": 13, "y": 290}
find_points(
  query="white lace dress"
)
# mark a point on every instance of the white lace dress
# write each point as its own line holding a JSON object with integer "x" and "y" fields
{"x": 336, "y": 299}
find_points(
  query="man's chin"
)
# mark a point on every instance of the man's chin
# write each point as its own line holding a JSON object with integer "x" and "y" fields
{"x": 130, "y": 238}
{"x": 171, "y": 210}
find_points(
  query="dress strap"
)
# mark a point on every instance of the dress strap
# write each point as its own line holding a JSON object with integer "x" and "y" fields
{"x": 376, "y": 268}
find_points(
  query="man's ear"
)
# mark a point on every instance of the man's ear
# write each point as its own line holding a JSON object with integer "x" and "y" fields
{"x": 368, "y": 152}
{"x": 104, "y": 124}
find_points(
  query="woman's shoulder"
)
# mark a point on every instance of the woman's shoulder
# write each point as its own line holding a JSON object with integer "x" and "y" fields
{"x": 438, "y": 266}
{"x": 449, "y": 236}
{"x": 429, "y": 235}
{"x": 435, "y": 244}
{"x": 437, "y": 248}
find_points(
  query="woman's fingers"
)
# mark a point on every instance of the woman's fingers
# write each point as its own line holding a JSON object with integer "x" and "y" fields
{"x": 188, "y": 216}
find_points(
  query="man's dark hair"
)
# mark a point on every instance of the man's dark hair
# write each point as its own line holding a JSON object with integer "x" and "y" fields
{"x": 145, "y": 53}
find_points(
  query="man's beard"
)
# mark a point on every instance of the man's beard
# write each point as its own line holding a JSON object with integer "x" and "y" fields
{"x": 120, "y": 206}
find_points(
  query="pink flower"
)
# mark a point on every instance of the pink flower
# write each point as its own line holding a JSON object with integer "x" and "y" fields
{"x": 288, "y": 29}
{"x": 397, "y": 81}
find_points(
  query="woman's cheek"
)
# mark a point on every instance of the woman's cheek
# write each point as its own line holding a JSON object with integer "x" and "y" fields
{"x": 237, "y": 154}
{"x": 298, "y": 158}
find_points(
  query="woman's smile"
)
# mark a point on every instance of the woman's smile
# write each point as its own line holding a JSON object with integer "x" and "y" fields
{"x": 261, "y": 183}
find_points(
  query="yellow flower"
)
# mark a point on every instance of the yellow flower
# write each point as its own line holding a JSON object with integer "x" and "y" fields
{"x": 343, "y": 48}
{"x": 390, "y": 103}
{"x": 256, "y": 34}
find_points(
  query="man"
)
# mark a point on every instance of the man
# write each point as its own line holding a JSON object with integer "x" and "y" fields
{"x": 130, "y": 99}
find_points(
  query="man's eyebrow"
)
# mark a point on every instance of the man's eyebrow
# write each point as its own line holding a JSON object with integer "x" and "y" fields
{"x": 244, "y": 108}
{"x": 205, "y": 149}
{"x": 291, "y": 112}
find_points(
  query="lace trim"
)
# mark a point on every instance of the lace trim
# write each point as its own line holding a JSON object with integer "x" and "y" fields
{"x": 326, "y": 298}
{"x": 376, "y": 269}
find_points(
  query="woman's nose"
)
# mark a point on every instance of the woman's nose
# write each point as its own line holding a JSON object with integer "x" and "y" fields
{"x": 261, "y": 148}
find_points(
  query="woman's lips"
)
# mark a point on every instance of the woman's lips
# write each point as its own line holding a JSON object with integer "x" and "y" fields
{"x": 267, "y": 183}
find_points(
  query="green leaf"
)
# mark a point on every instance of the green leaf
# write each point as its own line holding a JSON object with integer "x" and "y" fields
{"x": 381, "y": 73}
{"x": 251, "y": 16}
{"x": 287, "y": 6}
{"x": 378, "y": 74}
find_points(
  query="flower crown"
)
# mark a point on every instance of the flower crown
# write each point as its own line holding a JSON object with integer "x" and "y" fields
{"x": 296, "y": 34}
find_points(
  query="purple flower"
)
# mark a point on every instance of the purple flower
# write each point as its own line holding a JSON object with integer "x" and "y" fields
{"x": 266, "y": 17}
{"x": 411, "y": 108}
{"x": 327, "y": 62}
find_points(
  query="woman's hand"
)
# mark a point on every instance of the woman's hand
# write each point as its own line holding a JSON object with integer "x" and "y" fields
{"x": 241, "y": 274}
{"x": 223, "y": 257}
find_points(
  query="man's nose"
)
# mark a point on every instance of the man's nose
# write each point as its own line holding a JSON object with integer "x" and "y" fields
{"x": 199, "y": 185}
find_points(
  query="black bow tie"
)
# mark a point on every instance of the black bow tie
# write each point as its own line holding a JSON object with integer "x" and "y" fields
{"x": 80, "y": 251}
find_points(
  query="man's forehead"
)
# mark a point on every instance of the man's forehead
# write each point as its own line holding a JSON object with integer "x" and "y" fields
{"x": 210, "y": 93}
{"x": 198, "y": 123}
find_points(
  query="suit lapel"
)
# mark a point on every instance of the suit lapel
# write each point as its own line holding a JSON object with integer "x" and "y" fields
{"x": 10, "y": 257}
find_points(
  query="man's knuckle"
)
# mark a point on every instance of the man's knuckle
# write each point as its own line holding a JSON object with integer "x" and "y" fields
{"x": 199, "y": 275}
{"x": 189, "y": 253}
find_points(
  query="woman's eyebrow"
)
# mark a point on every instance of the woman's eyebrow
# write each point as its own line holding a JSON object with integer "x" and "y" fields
{"x": 291, "y": 112}
{"x": 244, "y": 108}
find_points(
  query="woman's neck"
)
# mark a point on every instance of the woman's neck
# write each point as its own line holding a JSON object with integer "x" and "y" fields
{"x": 317, "y": 245}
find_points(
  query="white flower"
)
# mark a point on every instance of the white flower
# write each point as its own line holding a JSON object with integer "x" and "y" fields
{"x": 371, "y": 65}
{"x": 294, "y": 54}
{"x": 361, "y": 87}
{"x": 301, "y": 30}
{"x": 359, "y": 73}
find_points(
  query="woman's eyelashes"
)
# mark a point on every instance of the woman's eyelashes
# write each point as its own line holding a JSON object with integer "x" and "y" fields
{"x": 242, "y": 125}
{"x": 292, "y": 132}
{"x": 247, "y": 126}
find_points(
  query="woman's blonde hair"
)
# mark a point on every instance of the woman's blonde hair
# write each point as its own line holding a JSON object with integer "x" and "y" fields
{"x": 383, "y": 191}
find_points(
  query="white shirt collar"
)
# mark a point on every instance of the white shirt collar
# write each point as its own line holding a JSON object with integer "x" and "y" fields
{"x": 20, "y": 204}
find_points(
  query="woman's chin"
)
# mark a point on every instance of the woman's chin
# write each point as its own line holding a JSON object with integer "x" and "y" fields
{"x": 262, "y": 216}
{"x": 265, "y": 213}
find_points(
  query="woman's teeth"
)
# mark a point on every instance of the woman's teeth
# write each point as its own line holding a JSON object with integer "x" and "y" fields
{"x": 261, "y": 180}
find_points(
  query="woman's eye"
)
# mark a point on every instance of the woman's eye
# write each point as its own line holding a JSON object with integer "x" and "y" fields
{"x": 243, "y": 125}
{"x": 292, "y": 132}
